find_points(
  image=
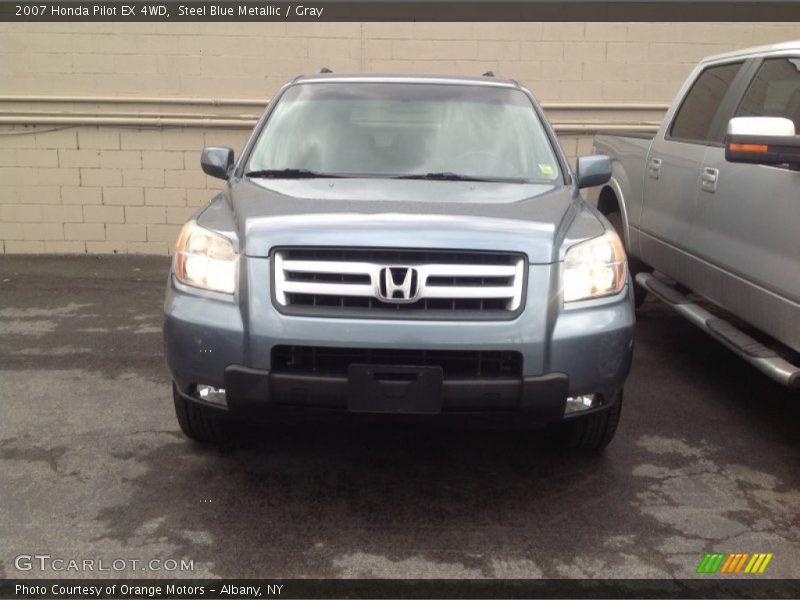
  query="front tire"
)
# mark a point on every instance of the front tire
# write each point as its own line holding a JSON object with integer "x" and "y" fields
{"x": 594, "y": 432}
{"x": 198, "y": 422}
{"x": 634, "y": 264}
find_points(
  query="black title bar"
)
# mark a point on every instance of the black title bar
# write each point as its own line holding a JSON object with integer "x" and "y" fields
{"x": 163, "y": 589}
{"x": 531, "y": 10}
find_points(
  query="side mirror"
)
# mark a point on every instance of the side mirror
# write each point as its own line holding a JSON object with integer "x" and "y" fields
{"x": 762, "y": 140}
{"x": 593, "y": 170}
{"x": 217, "y": 162}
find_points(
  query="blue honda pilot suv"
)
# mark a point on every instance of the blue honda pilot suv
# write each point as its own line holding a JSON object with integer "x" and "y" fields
{"x": 403, "y": 245}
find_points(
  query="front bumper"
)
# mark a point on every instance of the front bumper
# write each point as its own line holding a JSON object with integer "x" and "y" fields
{"x": 251, "y": 390}
{"x": 227, "y": 341}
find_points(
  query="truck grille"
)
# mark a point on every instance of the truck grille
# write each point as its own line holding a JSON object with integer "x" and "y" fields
{"x": 407, "y": 284}
{"x": 455, "y": 364}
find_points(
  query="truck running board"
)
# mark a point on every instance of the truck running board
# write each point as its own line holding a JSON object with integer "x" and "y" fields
{"x": 757, "y": 354}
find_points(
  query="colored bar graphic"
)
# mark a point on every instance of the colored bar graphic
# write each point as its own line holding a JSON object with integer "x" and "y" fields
{"x": 728, "y": 564}
{"x": 753, "y": 562}
{"x": 764, "y": 564}
{"x": 734, "y": 563}
{"x": 741, "y": 562}
{"x": 711, "y": 562}
{"x": 703, "y": 563}
{"x": 723, "y": 563}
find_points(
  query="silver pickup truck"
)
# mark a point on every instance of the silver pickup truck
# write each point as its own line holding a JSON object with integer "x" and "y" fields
{"x": 713, "y": 202}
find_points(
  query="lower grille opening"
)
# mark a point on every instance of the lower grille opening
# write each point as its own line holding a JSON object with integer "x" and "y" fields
{"x": 438, "y": 304}
{"x": 455, "y": 364}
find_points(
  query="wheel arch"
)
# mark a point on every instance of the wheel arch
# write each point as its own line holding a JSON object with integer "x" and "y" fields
{"x": 611, "y": 200}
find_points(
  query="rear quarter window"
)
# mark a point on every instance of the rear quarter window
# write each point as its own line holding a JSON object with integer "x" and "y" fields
{"x": 774, "y": 92}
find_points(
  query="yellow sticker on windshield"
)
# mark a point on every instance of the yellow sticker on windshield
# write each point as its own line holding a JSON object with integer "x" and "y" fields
{"x": 546, "y": 169}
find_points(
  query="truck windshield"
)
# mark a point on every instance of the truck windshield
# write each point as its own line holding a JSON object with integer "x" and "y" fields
{"x": 420, "y": 130}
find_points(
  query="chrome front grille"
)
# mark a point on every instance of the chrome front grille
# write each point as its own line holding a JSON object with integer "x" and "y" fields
{"x": 409, "y": 284}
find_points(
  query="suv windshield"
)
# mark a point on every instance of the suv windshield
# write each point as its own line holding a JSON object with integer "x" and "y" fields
{"x": 421, "y": 130}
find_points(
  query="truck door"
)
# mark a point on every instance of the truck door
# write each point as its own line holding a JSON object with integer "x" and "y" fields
{"x": 748, "y": 216}
{"x": 672, "y": 173}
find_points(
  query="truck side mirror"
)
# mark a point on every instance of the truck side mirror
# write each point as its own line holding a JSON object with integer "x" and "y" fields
{"x": 593, "y": 170}
{"x": 762, "y": 140}
{"x": 217, "y": 162}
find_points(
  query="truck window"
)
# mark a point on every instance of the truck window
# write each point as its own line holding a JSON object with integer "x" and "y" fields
{"x": 775, "y": 91}
{"x": 693, "y": 121}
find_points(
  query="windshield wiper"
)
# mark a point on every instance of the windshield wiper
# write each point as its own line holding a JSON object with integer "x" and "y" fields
{"x": 289, "y": 174}
{"x": 442, "y": 176}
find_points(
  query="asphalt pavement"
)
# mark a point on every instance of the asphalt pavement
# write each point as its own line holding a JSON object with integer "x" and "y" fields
{"x": 93, "y": 465}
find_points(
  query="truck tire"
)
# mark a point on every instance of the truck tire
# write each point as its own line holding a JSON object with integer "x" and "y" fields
{"x": 197, "y": 422}
{"x": 634, "y": 264}
{"x": 594, "y": 432}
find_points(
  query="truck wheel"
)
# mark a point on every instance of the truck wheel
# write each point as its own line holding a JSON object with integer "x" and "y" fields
{"x": 634, "y": 264}
{"x": 594, "y": 432}
{"x": 197, "y": 422}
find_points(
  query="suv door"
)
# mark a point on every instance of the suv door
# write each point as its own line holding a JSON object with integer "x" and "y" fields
{"x": 672, "y": 173}
{"x": 748, "y": 225}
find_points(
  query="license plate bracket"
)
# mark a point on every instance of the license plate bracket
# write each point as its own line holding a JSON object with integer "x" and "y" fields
{"x": 394, "y": 389}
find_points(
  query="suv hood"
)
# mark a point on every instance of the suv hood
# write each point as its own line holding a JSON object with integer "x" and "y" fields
{"x": 533, "y": 219}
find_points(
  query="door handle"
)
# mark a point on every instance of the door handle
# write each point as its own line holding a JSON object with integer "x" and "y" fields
{"x": 654, "y": 168}
{"x": 709, "y": 179}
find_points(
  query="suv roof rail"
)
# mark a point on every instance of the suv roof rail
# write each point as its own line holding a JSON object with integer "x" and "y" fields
{"x": 489, "y": 74}
{"x": 325, "y": 70}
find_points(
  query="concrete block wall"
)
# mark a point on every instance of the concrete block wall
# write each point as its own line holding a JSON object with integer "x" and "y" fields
{"x": 101, "y": 189}
{"x": 105, "y": 189}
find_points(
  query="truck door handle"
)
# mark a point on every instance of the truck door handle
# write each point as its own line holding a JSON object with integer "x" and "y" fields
{"x": 654, "y": 168}
{"x": 709, "y": 179}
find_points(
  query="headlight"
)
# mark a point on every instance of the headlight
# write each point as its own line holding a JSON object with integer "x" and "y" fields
{"x": 594, "y": 268}
{"x": 205, "y": 259}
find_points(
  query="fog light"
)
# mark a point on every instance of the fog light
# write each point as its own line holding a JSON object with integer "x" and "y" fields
{"x": 579, "y": 403}
{"x": 212, "y": 395}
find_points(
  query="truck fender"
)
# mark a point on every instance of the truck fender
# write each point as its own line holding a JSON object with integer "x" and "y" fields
{"x": 606, "y": 207}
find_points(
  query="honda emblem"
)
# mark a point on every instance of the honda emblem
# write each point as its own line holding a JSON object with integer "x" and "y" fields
{"x": 398, "y": 285}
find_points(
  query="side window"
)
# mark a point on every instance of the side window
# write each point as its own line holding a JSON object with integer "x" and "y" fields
{"x": 692, "y": 123}
{"x": 775, "y": 91}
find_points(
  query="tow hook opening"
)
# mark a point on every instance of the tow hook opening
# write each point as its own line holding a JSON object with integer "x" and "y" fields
{"x": 580, "y": 403}
{"x": 211, "y": 394}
